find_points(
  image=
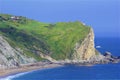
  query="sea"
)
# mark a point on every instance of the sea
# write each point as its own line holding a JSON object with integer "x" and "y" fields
{"x": 72, "y": 72}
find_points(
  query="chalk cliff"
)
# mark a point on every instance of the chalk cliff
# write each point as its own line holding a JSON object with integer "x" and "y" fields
{"x": 85, "y": 50}
{"x": 11, "y": 57}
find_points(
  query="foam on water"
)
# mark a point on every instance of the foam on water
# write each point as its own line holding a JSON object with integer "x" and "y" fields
{"x": 14, "y": 76}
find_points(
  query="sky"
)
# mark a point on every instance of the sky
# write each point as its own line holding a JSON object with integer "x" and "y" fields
{"x": 102, "y": 15}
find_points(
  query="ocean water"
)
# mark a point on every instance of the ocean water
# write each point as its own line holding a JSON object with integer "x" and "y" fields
{"x": 72, "y": 72}
{"x": 108, "y": 44}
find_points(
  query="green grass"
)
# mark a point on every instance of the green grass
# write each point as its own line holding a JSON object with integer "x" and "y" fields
{"x": 57, "y": 40}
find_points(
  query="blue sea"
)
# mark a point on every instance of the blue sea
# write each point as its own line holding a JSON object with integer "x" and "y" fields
{"x": 72, "y": 72}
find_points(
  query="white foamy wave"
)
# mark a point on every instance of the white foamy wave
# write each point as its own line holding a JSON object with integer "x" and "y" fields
{"x": 14, "y": 76}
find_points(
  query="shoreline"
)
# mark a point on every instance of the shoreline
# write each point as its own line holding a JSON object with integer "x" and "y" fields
{"x": 47, "y": 65}
{"x": 26, "y": 68}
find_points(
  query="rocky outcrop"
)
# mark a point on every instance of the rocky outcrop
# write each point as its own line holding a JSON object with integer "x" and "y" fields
{"x": 103, "y": 59}
{"x": 109, "y": 58}
{"x": 85, "y": 50}
{"x": 48, "y": 58}
{"x": 10, "y": 57}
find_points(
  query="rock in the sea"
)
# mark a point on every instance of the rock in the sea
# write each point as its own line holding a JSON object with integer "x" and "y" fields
{"x": 110, "y": 58}
{"x": 108, "y": 55}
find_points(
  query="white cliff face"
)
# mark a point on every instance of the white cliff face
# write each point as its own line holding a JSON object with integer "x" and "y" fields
{"x": 85, "y": 50}
{"x": 10, "y": 57}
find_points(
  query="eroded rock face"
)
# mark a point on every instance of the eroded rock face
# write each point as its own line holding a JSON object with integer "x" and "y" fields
{"x": 85, "y": 50}
{"x": 10, "y": 57}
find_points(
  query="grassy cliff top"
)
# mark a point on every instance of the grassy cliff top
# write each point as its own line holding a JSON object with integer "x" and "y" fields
{"x": 57, "y": 40}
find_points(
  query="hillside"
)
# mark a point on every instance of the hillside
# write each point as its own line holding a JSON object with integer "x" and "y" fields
{"x": 43, "y": 41}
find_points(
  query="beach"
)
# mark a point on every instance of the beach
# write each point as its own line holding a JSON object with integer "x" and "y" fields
{"x": 28, "y": 67}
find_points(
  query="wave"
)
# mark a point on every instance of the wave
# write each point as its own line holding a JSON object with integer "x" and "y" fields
{"x": 14, "y": 76}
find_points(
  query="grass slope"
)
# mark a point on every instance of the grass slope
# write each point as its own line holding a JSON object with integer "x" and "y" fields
{"x": 57, "y": 40}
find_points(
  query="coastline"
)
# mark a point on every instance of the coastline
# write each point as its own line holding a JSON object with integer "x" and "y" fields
{"x": 26, "y": 68}
{"x": 33, "y": 67}
{"x": 108, "y": 58}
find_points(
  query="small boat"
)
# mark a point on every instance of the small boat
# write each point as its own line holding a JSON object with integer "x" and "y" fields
{"x": 98, "y": 46}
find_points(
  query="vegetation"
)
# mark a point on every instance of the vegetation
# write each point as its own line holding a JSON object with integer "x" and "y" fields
{"x": 57, "y": 40}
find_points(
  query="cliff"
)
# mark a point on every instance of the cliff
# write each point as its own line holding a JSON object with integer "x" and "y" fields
{"x": 12, "y": 57}
{"x": 85, "y": 50}
{"x": 24, "y": 41}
